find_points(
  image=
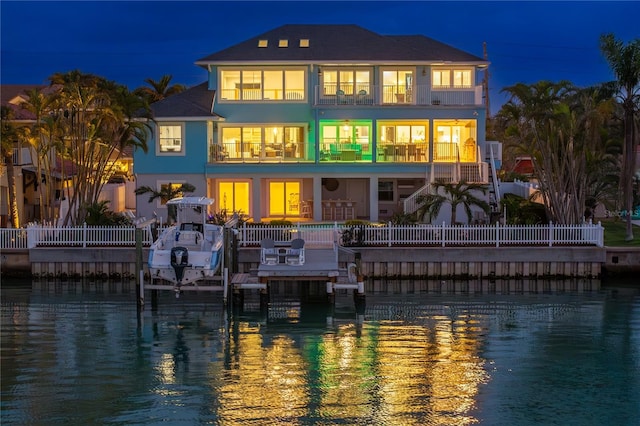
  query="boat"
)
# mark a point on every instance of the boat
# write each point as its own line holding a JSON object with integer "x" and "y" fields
{"x": 190, "y": 251}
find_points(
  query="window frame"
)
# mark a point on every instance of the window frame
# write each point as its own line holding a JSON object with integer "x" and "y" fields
{"x": 289, "y": 94}
{"x": 452, "y": 78}
{"x": 159, "y": 150}
{"x": 356, "y": 87}
{"x": 160, "y": 183}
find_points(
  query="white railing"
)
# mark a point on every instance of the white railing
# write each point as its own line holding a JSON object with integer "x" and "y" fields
{"x": 326, "y": 235}
{"x": 430, "y": 235}
{"x": 411, "y": 202}
{"x": 85, "y": 236}
{"x": 371, "y": 94}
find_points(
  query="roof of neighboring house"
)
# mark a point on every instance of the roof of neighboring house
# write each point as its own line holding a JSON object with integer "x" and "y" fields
{"x": 523, "y": 166}
{"x": 194, "y": 102}
{"x": 13, "y": 95}
{"x": 339, "y": 43}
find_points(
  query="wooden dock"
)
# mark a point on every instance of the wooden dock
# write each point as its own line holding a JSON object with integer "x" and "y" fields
{"x": 320, "y": 265}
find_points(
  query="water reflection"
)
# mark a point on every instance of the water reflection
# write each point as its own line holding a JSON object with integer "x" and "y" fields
{"x": 451, "y": 357}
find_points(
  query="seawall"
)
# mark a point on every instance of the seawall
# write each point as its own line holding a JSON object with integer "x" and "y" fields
{"x": 377, "y": 262}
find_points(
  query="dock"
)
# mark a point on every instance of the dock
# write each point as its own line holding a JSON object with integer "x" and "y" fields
{"x": 320, "y": 265}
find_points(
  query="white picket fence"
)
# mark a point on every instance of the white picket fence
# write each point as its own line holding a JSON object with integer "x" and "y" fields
{"x": 325, "y": 235}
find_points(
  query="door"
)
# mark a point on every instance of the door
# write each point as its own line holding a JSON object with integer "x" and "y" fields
{"x": 358, "y": 191}
{"x": 284, "y": 198}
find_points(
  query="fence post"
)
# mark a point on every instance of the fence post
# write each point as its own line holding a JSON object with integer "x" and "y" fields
{"x": 84, "y": 235}
{"x": 550, "y": 234}
{"x": 600, "y": 239}
{"x": 497, "y": 234}
{"x": 389, "y": 234}
{"x": 443, "y": 238}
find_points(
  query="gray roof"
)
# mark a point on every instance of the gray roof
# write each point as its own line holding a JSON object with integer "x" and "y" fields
{"x": 194, "y": 102}
{"x": 339, "y": 43}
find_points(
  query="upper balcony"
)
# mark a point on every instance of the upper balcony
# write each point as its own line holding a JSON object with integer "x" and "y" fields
{"x": 420, "y": 95}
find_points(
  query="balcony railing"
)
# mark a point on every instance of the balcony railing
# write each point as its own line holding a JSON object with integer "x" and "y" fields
{"x": 369, "y": 94}
{"x": 261, "y": 152}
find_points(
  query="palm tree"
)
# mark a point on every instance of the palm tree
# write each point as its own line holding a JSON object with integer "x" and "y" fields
{"x": 166, "y": 193}
{"x": 624, "y": 61}
{"x": 159, "y": 89}
{"x": 8, "y": 139}
{"x": 454, "y": 194}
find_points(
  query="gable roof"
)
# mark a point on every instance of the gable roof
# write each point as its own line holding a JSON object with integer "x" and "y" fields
{"x": 194, "y": 102}
{"x": 14, "y": 95}
{"x": 339, "y": 43}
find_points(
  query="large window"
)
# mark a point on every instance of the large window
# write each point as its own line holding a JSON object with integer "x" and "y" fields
{"x": 403, "y": 141}
{"x": 346, "y": 81}
{"x": 385, "y": 190}
{"x": 455, "y": 140}
{"x": 234, "y": 197}
{"x": 451, "y": 78}
{"x": 397, "y": 86}
{"x": 345, "y": 140}
{"x": 263, "y": 142}
{"x": 284, "y": 198}
{"x": 262, "y": 84}
{"x": 170, "y": 138}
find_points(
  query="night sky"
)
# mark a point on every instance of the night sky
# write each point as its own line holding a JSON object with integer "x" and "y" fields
{"x": 129, "y": 41}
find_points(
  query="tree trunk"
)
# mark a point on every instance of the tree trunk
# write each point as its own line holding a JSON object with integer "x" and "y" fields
{"x": 628, "y": 167}
{"x": 13, "y": 200}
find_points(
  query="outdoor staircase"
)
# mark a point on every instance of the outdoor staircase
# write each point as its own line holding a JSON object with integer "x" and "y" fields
{"x": 495, "y": 195}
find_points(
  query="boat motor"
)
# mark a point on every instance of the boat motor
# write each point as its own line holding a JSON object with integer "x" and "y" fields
{"x": 179, "y": 261}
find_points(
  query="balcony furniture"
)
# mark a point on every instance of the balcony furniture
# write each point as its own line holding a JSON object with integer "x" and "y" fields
{"x": 338, "y": 210}
{"x": 307, "y": 209}
{"x": 294, "y": 201}
{"x": 349, "y": 210}
{"x": 327, "y": 210}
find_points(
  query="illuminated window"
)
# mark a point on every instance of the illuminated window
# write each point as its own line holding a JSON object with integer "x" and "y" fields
{"x": 233, "y": 197}
{"x": 304, "y": 42}
{"x": 168, "y": 190}
{"x": 283, "y": 43}
{"x": 263, "y": 43}
{"x": 451, "y": 78}
{"x": 346, "y": 81}
{"x": 455, "y": 140}
{"x": 257, "y": 84}
{"x": 284, "y": 198}
{"x": 397, "y": 86}
{"x": 170, "y": 138}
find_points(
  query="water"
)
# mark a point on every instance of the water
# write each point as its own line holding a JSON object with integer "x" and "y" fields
{"x": 76, "y": 357}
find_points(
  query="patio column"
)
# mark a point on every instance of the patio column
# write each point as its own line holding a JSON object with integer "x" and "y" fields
{"x": 373, "y": 199}
{"x": 256, "y": 200}
{"x": 317, "y": 198}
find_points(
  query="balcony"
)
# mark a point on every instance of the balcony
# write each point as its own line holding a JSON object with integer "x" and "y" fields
{"x": 422, "y": 95}
{"x": 261, "y": 152}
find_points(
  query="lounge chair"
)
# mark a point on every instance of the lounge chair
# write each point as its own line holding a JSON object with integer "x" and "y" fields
{"x": 295, "y": 254}
{"x": 268, "y": 252}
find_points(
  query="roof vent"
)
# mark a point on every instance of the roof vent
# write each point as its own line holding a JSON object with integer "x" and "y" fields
{"x": 283, "y": 43}
{"x": 304, "y": 42}
{"x": 263, "y": 43}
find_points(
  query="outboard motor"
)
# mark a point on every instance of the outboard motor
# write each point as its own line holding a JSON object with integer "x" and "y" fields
{"x": 179, "y": 261}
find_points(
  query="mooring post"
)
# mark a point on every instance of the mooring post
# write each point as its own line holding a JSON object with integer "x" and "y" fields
{"x": 140, "y": 274}
{"x": 359, "y": 295}
{"x": 264, "y": 293}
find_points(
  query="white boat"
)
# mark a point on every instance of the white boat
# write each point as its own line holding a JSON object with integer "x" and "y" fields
{"x": 190, "y": 251}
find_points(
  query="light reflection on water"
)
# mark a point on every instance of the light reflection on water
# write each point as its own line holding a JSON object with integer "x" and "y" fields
{"x": 87, "y": 357}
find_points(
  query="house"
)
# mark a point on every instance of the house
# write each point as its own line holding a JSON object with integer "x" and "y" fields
{"x": 30, "y": 188}
{"x": 325, "y": 122}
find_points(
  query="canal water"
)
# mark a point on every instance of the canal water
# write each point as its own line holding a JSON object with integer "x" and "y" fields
{"x": 511, "y": 354}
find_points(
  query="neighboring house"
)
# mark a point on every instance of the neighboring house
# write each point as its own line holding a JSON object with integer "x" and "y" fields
{"x": 119, "y": 191}
{"x": 304, "y": 114}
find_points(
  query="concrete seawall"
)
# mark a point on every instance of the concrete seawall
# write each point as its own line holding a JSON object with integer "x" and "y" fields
{"x": 378, "y": 262}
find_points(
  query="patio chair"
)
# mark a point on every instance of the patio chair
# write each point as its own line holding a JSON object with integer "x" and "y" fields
{"x": 295, "y": 255}
{"x": 268, "y": 252}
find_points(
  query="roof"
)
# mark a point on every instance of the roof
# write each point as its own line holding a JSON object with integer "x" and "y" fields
{"x": 339, "y": 43}
{"x": 194, "y": 102}
{"x": 13, "y": 95}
